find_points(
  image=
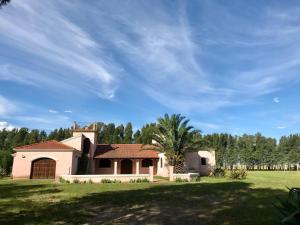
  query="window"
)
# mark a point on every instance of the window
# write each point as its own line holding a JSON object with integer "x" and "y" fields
{"x": 104, "y": 163}
{"x": 203, "y": 161}
{"x": 147, "y": 162}
{"x": 161, "y": 162}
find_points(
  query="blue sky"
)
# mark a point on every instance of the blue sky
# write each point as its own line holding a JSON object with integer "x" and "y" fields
{"x": 228, "y": 66}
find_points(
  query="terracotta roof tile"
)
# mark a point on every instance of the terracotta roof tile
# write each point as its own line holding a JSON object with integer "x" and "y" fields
{"x": 52, "y": 144}
{"x": 118, "y": 151}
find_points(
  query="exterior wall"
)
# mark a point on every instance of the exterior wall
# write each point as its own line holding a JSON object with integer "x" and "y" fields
{"x": 75, "y": 142}
{"x": 187, "y": 176}
{"x": 65, "y": 162}
{"x": 99, "y": 170}
{"x": 99, "y": 178}
{"x": 193, "y": 161}
{"x": 162, "y": 166}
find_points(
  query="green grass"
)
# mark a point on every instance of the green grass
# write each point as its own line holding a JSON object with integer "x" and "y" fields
{"x": 213, "y": 201}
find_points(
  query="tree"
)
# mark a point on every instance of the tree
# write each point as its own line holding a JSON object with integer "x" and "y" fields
{"x": 174, "y": 137}
{"x": 128, "y": 133}
{"x": 3, "y": 2}
{"x": 137, "y": 137}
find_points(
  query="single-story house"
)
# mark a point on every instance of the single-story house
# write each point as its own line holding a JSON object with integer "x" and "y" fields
{"x": 51, "y": 159}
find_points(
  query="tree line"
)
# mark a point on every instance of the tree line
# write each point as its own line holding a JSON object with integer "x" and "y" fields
{"x": 251, "y": 151}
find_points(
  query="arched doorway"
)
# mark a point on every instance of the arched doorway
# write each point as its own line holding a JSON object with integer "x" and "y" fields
{"x": 43, "y": 168}
{"x": 126, "y": 166}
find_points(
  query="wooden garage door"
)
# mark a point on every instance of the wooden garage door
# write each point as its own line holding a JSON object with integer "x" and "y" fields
{"x": 43, "y": 168}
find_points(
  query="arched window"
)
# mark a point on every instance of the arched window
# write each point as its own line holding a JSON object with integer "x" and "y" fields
{"x": 147, "y": 162}
{"x": 104, "y": 163}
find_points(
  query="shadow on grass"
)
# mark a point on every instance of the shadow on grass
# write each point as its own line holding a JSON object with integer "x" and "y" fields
{"x": 230, "y": 203}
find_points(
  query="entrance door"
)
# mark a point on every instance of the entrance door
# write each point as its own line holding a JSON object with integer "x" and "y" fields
{"x": 43, "y": 168}
{"x": 126, "y": 166}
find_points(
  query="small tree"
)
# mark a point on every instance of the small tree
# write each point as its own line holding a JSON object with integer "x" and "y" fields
{"x": 174, "y": 137}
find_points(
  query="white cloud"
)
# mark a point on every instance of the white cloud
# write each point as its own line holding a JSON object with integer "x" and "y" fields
{"x": 280, "y": 127}
{"x": 200, "y": 125}
{"x": 6, "y": 106}
{"x": 76, "y": 55}
{"x": 276, "y": 100}
{"x": 52, "y": 111}
{"x": 6, "y": 125}
{"x": 175, "y": 61}
{"x": 68, "y": 111}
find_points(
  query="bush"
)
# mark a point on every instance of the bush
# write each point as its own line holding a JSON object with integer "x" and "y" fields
{"x": 2, "y": 173}
{"x": 139, "y": 180}
{"x": 196, "y": 179}
{"x": 62, "y": 180}
{"x": 238, "y": 174}
{"x": 90, "y": 181}
{"x": 106, "y": 181}
{"x": 110, "y": 181}
{"x": 76, "y": 181}
{"x": 218, "y": 172}
{"x": 290, "y": 209}
{"x": 180, "y": 180}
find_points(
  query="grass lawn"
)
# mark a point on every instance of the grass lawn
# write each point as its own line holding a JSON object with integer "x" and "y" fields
{"x": 212, "y": 201}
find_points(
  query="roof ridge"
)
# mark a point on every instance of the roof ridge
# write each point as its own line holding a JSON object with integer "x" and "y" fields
{"x": 42, "y": 142}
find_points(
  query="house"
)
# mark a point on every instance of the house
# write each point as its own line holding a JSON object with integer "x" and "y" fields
{"x": 81, "y": 154}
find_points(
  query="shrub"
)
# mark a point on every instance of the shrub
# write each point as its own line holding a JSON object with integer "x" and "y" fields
{"x": 76, "y": 181}
{"x": 139, "y": 180}
{"x": 62, "y": 180}
{"x": 218, "y": 172}
{"x": 290, "y": 209}
{"x": 196, "y": 179}
{"x": 90, "y": 181}
{"x": 180, "y": 180}
{"x": 2, "y": 173}
{"x": 238, "y": 174}
{"x": 105, "y": 181}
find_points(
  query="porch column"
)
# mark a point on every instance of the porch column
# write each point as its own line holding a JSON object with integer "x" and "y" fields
{"x": 151, "y": 175}
{"x": 115, "y": 167}
{"x": 137, "y": 166}
{"x": 171, "y": 173}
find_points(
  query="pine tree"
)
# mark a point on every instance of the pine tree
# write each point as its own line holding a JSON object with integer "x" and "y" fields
{"x": 128, "y": 133}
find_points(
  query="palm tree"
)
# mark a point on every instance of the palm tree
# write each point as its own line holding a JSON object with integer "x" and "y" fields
{"x": 174, "y": 137}
{"x": 4, "y": 2}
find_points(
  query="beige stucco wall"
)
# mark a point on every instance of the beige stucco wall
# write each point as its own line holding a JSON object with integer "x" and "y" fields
{"x": 66, "y": 162}
{"x": 162, "y": 166}
{"x": 193, "y": 161}
{"x": 75, "y": 142}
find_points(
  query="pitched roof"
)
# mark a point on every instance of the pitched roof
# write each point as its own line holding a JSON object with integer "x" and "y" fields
{"x": 52, "y": 144}
{"x": 117, "y": 151}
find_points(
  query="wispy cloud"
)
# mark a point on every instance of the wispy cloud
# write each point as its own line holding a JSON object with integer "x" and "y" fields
{"x": 276, "y": 100}
{"x": 52, "y": 37}
{"x": 6, "y": 106}
{"x": 68, "y": 111}
{"x": 52, "y": 111}
{"x": 222, "y": 60}
{"x": 280, "y": 127}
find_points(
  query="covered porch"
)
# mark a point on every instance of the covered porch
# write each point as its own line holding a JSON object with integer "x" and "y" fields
{"x": 125, "y": 166}
{"x": 124, "y": 159}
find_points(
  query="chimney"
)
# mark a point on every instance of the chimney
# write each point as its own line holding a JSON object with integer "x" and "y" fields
{"x": 74, "y": 126}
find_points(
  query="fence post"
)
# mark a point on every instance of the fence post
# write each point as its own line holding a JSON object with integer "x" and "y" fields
{"x": 171, "y": 173}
